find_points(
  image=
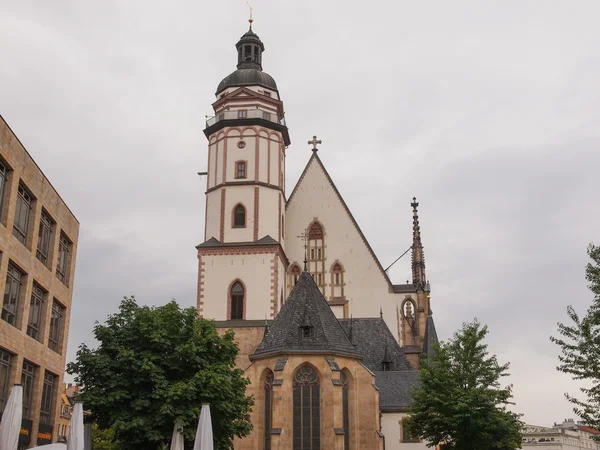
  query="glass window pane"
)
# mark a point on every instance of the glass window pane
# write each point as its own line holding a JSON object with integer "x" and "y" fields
{"x": 11, "y": 295}
{"x": 27, "y": 378}
{"x": 55, "y": 327}
{"x": 47, "y": 398}
{"x": 5, "y": 359}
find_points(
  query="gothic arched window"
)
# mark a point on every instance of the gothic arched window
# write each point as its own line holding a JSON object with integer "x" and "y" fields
{"x": 239, "y": 217}
{"x": 337, "y": 280}
{"x": 307, "y": 410}
{"x": 237, "y": 301}
{"x": 316, "y": 253}
{"x": 346, "y": 407}
{"x": 268, "y": 408}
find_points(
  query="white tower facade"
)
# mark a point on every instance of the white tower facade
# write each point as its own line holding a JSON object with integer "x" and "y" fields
{"x": 242, "y": 262}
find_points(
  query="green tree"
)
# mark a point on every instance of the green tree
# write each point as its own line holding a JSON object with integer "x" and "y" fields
{"x": 154, "y": 365}
{"x": 459, "y": 401}
{"x": 580, "y": 346}
{"x": 104, "y": 439}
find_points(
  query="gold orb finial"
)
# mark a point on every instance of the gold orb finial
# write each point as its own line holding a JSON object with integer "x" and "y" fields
{"x": 250, "y": 19}
{"x": 428, "y": 297}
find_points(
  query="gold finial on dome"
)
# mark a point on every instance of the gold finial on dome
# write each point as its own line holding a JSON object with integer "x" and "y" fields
{"x": 250, "y": 19}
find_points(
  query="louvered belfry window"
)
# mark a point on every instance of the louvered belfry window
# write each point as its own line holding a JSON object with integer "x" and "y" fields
{"x": 307, "y": 409}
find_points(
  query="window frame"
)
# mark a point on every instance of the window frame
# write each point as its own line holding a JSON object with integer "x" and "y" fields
{"x": 11, "y": 281}
{"x": 242, "y": 113}
{"x": 268, "y": 387}
{"x": 266, "y": 115}
{"x": 44, "y": 231}
{"x": 5, "y": 367}
{"x": 47, "y": 405}
{"x": 56, "y": 326}
{"x": 24, "y": 198}
{"x": 241, "y": 174}
{"x": 63, "y": 264}
{"x": 38, "y": 295}
{"x": 306, "y": 386}
{"x": 237, "y": 301}
{"x": 4, "y": 169}
{"x": 28, "y": 383}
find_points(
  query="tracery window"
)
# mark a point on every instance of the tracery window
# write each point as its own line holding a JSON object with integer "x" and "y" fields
{"x": 316, "y": 252}
{"x": 307, "y": 407}
{"x": 337, "y": 280}
{"x": 237, "y": 301}
{"x": 345, "y": 408}
{"x": 268, "y": 408}
{"x": 239, "y": 217}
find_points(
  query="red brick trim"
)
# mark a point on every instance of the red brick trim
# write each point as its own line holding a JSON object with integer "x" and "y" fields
{"x": 256, "y": 159}
{"x": 279, "y": 160}
{"x": 233, "y": 215}
{"x": 222, "y": 225}
{"x": 225, "y": 160}
{"x": 229, "y": 299}
{"x": 235, "y": 169}
{"x": 274, "y": 284}
{"x": 279, "y": 219}
{"x": 269, "y": 162}
{"x": 256, "y": 212}
{"x": 201, "y": 271}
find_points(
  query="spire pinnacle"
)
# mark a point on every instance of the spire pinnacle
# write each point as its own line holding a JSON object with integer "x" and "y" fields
{"x": 250, "y": 20}
{"x": 418, "y": 257}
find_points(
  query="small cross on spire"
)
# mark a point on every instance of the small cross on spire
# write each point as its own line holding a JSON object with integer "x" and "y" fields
{"x": 314, "y": 143}
{"x": 304, "y": 237}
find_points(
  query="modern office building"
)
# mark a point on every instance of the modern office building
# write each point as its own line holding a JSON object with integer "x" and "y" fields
{"x": 38, "y": 244}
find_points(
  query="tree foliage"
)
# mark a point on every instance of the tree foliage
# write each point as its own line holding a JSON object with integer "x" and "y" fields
{"x": 154, "y": 365}
{"x": 104, "y": 439}
{"x": 580, "y": 346}
{"x": 459, "y": 401}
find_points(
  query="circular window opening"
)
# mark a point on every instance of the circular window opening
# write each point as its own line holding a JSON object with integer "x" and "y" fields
{"x": 241, "y": 144}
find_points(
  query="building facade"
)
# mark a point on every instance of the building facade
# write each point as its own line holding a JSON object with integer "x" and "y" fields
{"x": 568, "y": 435}
{"x": 38, "y": 244}
{"x": 330, "y": 344}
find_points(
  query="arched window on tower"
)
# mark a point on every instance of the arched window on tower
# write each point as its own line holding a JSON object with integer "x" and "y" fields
{"x": 316, "y": 254}
{"x": 295, "y": 272}
{"x": 337, "y": 280}
{"x": 306, "y": 409}
{"x": 239, "y": 217}
{"x": 268, "y": 408}
{"x": 237, "y": 301}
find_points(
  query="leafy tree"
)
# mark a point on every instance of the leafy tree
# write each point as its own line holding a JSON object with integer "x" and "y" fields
{"x": 154, "y": 365}
{"x": 460, "y": 402}
{"x": 104, "y": 439}
{"x": 580, "y": 346}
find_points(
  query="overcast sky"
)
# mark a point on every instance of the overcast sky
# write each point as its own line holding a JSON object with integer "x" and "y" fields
{"x": 486, "y": 111}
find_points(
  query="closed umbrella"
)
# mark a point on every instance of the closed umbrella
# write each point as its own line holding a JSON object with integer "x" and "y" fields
{"x": 75, "y": 440}
{"x": 11, "y": 419}
{"x": 177, "y": 438}
{"x": 204, "y": 434}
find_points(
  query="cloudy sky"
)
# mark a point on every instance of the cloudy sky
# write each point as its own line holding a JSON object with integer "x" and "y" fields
{"x": 486, "y": 111}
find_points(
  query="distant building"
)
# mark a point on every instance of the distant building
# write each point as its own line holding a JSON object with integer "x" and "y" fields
{"x": 568, "y": 435}
{"x": 38, "y": 244}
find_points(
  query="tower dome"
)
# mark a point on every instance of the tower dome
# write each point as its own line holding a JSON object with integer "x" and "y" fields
{"x": 249, "y": 68}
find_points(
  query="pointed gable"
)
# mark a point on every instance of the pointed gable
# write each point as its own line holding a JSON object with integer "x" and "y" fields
{"x": 305, "y": 325}
{"x": 314, "y": 159}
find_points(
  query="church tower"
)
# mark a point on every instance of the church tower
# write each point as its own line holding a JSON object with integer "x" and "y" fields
{"x": 242, "y": 263}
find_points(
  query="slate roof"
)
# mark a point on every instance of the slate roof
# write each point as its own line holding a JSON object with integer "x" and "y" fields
{"x": 395, "y": 389}
{"x": 370, "y": 337}
{"x": 214, "y": 242}
{"x": 247, "y": 77}
{"x": 431, "y": 337}
{"x": 305, "y": 306}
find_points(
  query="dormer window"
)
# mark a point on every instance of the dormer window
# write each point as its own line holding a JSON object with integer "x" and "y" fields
{"x": 386, "y": 366}
{"x": 306, "y": 332}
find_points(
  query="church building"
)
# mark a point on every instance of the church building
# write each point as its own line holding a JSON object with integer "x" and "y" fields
{"x": 331, "y": 345}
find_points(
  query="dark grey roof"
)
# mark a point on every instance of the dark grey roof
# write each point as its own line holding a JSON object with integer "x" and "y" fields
{"x": 395, "y": 389}
{"x": 431, "y": 337}
{"x": 214, "y": 242}
{"x": 247, "y": 77}
{"x": 370, "y": 337}
{"x": 305, "y": 306}
{"x": 400, "y": 288}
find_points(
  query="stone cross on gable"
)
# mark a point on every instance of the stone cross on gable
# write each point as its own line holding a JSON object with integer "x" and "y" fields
{"x": 314, "y": 143}
{"x": 304, "y": 237}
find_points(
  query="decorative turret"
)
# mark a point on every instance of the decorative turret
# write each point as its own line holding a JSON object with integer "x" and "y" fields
{"x": 418, "y": 257}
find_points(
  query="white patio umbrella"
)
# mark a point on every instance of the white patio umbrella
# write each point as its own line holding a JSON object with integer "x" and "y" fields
{"x": 51, "y": 447}
{"x": 75, "y": 439}
{"x": 177, "y": 438}
{"x": 11, "y": 419}
{"x": 204, "y": 434}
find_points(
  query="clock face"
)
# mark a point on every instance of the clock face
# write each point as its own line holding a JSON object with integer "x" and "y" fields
{"x": 241, "y": 144}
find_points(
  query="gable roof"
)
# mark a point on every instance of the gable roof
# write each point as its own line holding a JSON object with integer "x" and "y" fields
{"x": 214, "y": 242}
{"x": 371, "y": 337}
{"x": 305, "y": 307}
{"x": 395, "y": 389}
{"x": 316, "y": 158}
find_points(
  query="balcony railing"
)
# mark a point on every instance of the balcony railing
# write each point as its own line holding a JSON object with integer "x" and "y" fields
{"x": 245, "y": 114}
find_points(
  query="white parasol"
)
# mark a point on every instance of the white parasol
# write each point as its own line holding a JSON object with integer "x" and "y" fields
{"x": 11, "y": 419}
{"x": 204, "y": 434}
{"x": 75, "y": 439}
{"x": 177, "y": 438}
